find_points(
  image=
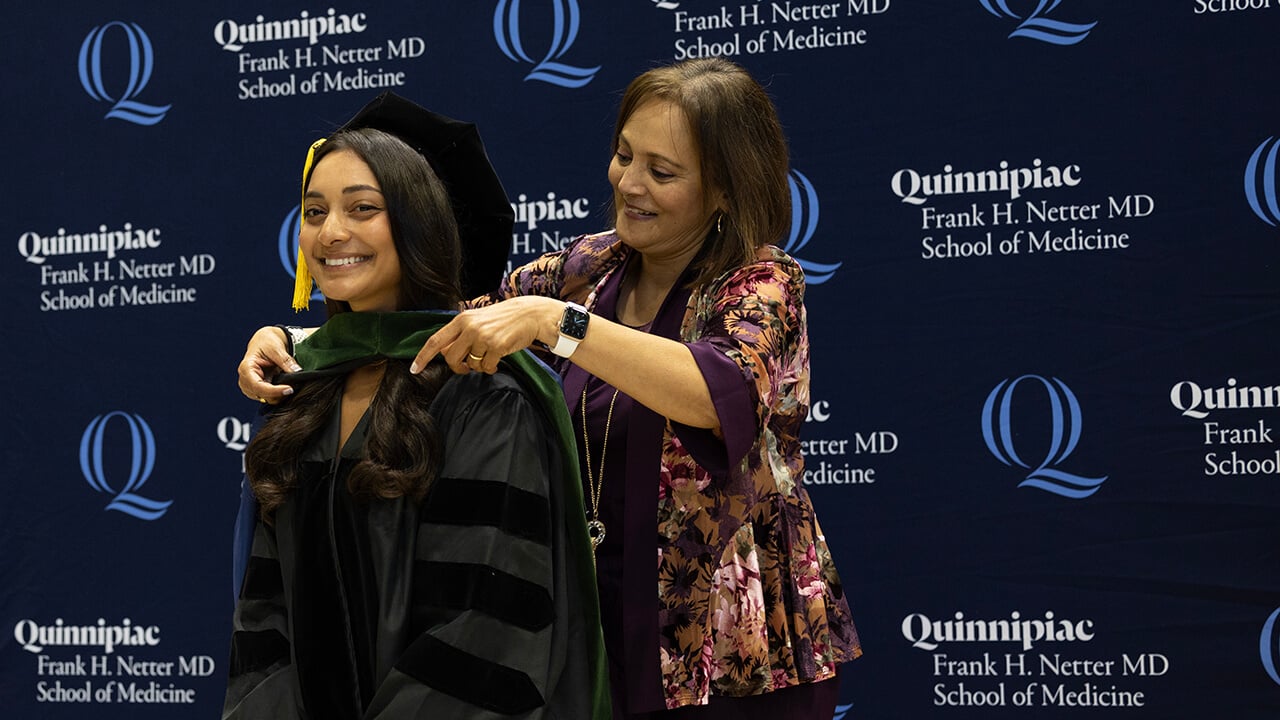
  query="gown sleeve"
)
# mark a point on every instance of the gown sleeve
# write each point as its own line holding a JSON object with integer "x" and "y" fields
{"x": 489, "y": 584}
{"x": 262, "y": 681}
{"x": 246, "y": 520}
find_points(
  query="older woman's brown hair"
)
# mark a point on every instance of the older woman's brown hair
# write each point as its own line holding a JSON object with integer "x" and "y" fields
{"x": 743, "y": 152}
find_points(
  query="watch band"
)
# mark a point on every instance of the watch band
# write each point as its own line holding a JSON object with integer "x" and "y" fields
{"x": 565, "y": 346}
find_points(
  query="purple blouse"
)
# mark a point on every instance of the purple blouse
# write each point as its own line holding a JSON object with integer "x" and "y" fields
{"x": 628, "y": 605}
{"x": 720, "y": 595}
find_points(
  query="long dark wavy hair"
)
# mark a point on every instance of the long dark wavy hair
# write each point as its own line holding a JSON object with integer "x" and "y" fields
{"x": 403, "y": 448}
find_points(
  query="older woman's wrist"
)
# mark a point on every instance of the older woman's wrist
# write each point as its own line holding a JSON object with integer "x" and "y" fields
{"x": 568, "y": 327}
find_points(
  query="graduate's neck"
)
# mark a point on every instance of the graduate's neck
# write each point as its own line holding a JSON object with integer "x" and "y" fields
{"x": 357, "y": 393}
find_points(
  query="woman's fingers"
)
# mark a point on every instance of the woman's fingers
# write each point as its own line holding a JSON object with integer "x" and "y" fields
{"x": 266, "y": 355}
{"x": 476, "y": 340}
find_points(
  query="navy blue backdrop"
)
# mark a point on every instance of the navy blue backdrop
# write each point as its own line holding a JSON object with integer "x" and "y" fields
{"x": 1041, "y": 238}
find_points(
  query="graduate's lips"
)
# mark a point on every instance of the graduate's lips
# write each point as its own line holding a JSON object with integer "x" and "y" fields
{"x": 344, "y": 260}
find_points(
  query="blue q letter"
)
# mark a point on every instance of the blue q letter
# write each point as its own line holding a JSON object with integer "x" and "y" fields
{"x": 1065, "y": 434}
{"x": 141, "y": 62}
{"x": 142, "y": 460}
{"x": 506, "y": 30}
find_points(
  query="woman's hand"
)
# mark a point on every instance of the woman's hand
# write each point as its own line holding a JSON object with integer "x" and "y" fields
{"x": 475, "y": 340}
{"x": 658, "y": 373}
{"x": 265, "y": 356}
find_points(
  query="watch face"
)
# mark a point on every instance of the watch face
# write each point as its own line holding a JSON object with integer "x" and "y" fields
{"x": 574, "y": 323}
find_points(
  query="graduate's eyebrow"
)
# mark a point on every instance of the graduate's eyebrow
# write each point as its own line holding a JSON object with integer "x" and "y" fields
{"x": 346, "y": 190}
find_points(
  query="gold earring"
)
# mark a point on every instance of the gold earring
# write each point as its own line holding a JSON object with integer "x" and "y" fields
{"x": 719, "y": 222}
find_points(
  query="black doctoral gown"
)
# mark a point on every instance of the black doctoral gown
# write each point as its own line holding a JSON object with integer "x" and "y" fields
{"x": 468, "y": 605}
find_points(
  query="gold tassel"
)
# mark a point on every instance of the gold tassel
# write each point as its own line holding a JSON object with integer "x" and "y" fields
{"x": 302, "y": 278}
{"x": 302, "y": 285}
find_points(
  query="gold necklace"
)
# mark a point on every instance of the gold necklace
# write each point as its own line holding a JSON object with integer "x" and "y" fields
{"x": 595, "y": 481}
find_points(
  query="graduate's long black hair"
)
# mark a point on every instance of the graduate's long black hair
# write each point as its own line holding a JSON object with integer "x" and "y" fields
{"x": 403, "y": 446}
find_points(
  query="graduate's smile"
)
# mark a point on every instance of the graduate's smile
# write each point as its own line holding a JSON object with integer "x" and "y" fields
{"x": 344, "y": 261}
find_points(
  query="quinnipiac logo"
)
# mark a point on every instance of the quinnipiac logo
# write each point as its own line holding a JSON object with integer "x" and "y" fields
{"x": 1269, "y": 646}
{"x": 804, "y": 222}
{"x": 142, "y": 459}
{"x": 1038, "y": 27}
{"x": 234, "y": 433}
{"x": 564, "y": 31}
{"x": 1064, "y": 434}
{"x": 1260, "y": 181}
{"x": 141, "y": 62}
{"x": 287, "y": 242}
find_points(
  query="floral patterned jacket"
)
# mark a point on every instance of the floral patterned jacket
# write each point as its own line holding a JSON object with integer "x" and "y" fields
{"x": 749, "y": 598}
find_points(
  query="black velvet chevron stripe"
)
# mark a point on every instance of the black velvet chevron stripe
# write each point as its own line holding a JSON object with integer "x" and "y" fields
{"x": 262, "y": 579}
{"x": 519, "y": 513}
{"x": 462, "y": 586}
{"x": 254, "y": 651}
{"x": 471, "y": 679}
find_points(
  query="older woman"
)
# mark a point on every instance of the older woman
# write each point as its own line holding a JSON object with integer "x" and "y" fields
{"x": 682, "y": 342}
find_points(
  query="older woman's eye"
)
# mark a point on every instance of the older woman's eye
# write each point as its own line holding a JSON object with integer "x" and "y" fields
{"x": 623, "y": 158}
{"x": 660, "y": 175}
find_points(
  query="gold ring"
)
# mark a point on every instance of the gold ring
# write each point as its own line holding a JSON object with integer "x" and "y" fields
{"x": 262, "y": 400}
{"x": 477, "y": 358}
